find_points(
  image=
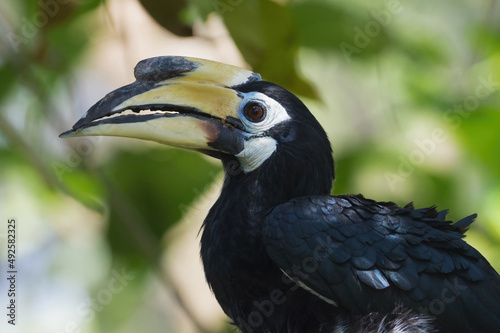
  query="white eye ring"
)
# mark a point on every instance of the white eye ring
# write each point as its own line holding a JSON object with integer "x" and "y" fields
{"x": 273, "y": 113}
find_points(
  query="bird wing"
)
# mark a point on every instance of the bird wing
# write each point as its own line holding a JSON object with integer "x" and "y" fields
{"x": 368, "y": 256}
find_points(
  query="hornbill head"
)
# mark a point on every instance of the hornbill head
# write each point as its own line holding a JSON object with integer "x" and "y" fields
{"x": 220, "y": 110}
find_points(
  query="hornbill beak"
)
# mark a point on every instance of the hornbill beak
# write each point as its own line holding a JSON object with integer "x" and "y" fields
{"x": 183, "y": 102}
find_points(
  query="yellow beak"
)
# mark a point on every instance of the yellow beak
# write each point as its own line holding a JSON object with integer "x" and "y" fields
{"x": 191, "y": 103}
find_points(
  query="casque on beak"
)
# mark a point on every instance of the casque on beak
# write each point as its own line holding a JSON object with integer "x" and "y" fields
{"x": 183, "y": 102}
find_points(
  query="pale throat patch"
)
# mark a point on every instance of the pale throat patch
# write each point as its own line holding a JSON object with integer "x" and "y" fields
{"x": 257, "y": 150}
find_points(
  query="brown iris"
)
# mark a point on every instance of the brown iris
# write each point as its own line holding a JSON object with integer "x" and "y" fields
{"x": 255, "y": 112}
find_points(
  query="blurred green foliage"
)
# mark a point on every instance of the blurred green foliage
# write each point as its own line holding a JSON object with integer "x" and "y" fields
{"x": 145, "y": 206}
{"x": 382, "y": 77}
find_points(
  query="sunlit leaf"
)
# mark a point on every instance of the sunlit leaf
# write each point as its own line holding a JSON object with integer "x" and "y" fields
{"x": 202, "y": 8}
{"x": 479, "y": 135}
{"x": 82, "y": 186}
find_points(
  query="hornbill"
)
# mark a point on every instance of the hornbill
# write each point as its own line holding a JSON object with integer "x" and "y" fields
{"x": 280, "y": 253}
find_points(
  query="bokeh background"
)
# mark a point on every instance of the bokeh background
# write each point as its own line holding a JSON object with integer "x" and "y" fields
{"x": 407, "y": 90}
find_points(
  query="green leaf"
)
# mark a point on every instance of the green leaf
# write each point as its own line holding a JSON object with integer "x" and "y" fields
{"x": 169, "y": 15}
{"x": 321, "y": 25}
{"x": 326, "y": 26}
{"x": 83, "y": 187}
{"x": 266, "y": 35}
{"x": 478, "y": 133}
{"x": 7, "y": 79}
{"x": 202, "y": 8}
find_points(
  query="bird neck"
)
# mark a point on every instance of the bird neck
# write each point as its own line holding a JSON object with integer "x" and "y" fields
{"x": 232, "y": 251}
{"x": 247, "y": 197}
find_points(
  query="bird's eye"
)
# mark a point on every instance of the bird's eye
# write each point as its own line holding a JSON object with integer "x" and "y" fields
{"x": 255, "y": 112}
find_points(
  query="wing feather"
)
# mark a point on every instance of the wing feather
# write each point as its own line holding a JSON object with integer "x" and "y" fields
{"x": 370, "y": 256}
